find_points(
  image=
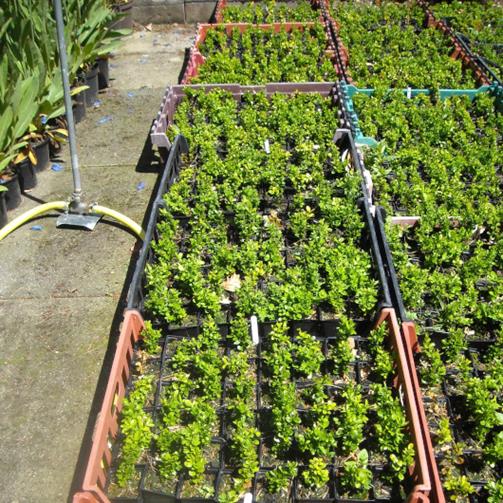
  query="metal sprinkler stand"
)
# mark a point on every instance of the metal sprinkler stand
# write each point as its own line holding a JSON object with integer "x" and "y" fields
{"x": 78, "y": 213}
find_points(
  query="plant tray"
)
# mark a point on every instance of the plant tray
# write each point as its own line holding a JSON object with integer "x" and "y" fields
{"x": 222, "y": 4}
{"x": 98, "y": 470}
{"x": 444, "y": 395}
{"x": 196, "y": 59}
{"x": 460, "y": 50}
{"x": 174, "y": 94}
{"x": 480, "y": 68}
{"x": 345, "y": 93}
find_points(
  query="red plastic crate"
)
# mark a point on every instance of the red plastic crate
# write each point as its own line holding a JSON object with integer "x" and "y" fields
{"x": 459, "y": 51}
{"x": 106, "y": 427}
{"x": 196, "y": 59}
{"x": 107, "y": 423}
{"x": 222, "y": 4}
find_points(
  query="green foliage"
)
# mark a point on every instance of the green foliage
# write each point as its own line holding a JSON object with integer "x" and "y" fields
{"x": 280, "y": 478}
{"x": 151, "y": 338}
{"x": 136, "y": 427}
{"x": 307, "y": 354}
{"x": 258, "y": 56}
{"x": 479, "y": 22}
{"x": 495, "y": 489}
{"x": 270, "y": 11}
{"x": 458, "y": 487}
{"x": 432, "y": 368}
{"x": 316, "y": 474}
{"x": 389, "y": 47}
{"x": 356, "y": 477}
{"x": 31, "y": 89}
{"x": 351, "y": 419}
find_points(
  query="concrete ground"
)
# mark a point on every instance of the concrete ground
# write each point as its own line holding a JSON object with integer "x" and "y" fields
{"x": 62, "y": 292}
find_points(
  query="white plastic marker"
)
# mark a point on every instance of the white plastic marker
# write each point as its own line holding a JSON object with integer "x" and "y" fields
{"x": 248, "y": 498}
{"x": 254, "y": 330}
{"x": 267, "y": 147}
{"x": 368, "y": 181}
{"x": 401, "y": 395}
{"x": 409, "y": 93}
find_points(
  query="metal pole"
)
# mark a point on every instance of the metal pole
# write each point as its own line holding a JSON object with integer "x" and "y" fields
{"x": 77, "y": 188}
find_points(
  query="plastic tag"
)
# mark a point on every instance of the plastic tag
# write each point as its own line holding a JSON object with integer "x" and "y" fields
{"x": 401, "y": 395}
{"x": 254, "y": 330}
{"x": 267, "y": 147}
{"x": 368, "y": 181}
{"x": 372, "y": 208}
{"x": 409, "y": 93}
{"x": 248, "y": 498}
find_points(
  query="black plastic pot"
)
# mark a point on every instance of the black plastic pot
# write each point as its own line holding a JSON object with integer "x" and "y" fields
{"x": 91, "y": 80}
{"x": 41, "y": 150}
{"x": 12, "y": 198}
{"x": 27, "y": 176}
{"x": 79, "y": 107}
{"x": 3, "y": 210}
{"x": 103, "y": 73}
{"x": 126, "y": 21}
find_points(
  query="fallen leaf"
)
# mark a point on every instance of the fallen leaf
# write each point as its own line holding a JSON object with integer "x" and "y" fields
{"x": 232, "y": 283}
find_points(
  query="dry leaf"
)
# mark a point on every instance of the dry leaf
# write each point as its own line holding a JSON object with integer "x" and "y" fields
{"x": 273, "y": 219}
{"x": 232, "y": 283}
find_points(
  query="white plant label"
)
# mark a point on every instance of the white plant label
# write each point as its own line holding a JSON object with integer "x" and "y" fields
{"x": 254, "y": 330}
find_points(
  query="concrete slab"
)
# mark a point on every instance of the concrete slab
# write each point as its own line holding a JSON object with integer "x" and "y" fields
{"x": 55, "y": 261}
{"x": 161, "y": 38}
{"x": 62, "y": 291}
{"x": 106, "y": 136}
{"x": 173, "y": 13}
{"x": 52, "y": 353}
{"x": 150, "y": 59}
{"x": 199, "y": 12}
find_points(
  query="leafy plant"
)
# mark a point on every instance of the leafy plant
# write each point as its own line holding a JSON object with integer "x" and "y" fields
{"x": 356, "y": 477}
{"x": 136, "y": 427}
{"x": 316, "y": 474}
{"x": 151, "y": 338}
{"x": 280, "y": 477}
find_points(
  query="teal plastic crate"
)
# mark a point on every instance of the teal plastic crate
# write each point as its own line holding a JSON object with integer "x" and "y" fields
{"x": 347, "y": 91}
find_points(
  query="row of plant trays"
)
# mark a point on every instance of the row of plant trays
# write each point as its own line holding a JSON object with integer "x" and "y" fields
{"x": 223, "y": 4}
{"x": 196, "y": 58}
{"x": 460, "y": 50}
{"x": 101, "y": 464}
{"x": 460, "y": 44}
{"x": 471, "y": 458}
{"x": 336, "y": 50}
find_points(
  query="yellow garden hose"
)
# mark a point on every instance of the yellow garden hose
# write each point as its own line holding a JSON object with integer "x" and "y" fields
{"x": 63, "y": 205}
{"x": 30, "y": 214}
{"x": 130, "y": 224}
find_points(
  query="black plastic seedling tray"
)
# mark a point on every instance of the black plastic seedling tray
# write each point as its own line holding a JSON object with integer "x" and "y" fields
{"x": 459, "y": 48}
{"x": 219, "y": 472}
{"x": 447, "y": 397}
{"x": 325, "y": 330}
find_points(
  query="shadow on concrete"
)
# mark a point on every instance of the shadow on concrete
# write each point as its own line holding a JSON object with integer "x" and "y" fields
{"x": 147, "y": 163}
{"x": 186, "y": 59}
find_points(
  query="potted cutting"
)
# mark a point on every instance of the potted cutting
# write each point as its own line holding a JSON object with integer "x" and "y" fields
{"x": 91, "y": 45}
